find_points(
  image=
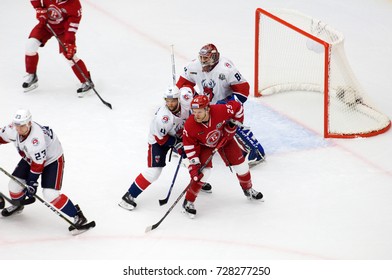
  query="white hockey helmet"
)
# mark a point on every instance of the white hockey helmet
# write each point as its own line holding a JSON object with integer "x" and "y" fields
{"x": 171, "y": 92}
{"x": 22, "y": 117}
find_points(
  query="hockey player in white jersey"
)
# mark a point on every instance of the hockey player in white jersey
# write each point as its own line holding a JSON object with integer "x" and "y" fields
{"x": 165, "y": 134}
{"x": 42, "y": 156}
{"x": 220, "y": 80}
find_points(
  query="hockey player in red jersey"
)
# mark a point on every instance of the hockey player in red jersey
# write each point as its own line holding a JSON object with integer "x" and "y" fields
{"x": 42, "y": 156}
{"x": 64, "y": 17}
{"x": 209, "y": 127}
{"x": 218, "y": 78}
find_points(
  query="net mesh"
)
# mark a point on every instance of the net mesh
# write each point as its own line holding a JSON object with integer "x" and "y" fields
{"x": 300, "y": 53}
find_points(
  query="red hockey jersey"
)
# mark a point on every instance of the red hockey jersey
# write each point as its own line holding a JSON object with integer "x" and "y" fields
{"x": 210, "y": 133}
{"x": 63, "y": 16}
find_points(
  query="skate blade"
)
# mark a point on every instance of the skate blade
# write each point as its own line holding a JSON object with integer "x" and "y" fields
{"x": 191, "y": 216}
{"x": 32, "y": 87}
{"x": 82, "y": 94}
{"x": 126, "y": 206}
{"x": 257, "y": 200}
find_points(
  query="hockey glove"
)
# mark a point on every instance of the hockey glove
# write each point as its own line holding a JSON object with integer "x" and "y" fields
{"x": 179, "y": 147}
{"x": 229, "y": 131}
{"x": 31, "y": 188}
{"x": 70, "y": 51}
{"x": 194, "y": 171}
{"x": 180, "y": 150}
{"x": 42, "y": 15}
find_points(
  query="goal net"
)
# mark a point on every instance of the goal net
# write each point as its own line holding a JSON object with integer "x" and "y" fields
{"x": 297, "y": 53}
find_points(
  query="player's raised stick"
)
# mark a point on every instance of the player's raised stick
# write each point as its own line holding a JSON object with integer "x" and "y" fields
{"x": 77, "y": 67}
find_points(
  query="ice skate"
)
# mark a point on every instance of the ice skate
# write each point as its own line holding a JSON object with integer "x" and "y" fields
{"x": 30, "y": 83}
{"x": 80, "y": 223}
{"x": 207, "y": 188}
{"x": 127, "y": 202}
{"x": 11, "y": 210}
{"x": 84, "y": 88}
{"x": 2, "y": 202}
{"x": 189, "y": 208}
{"x": 253, "y": 194}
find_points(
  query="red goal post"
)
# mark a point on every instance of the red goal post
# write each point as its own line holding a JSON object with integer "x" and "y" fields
{"x": 298, "y": 53}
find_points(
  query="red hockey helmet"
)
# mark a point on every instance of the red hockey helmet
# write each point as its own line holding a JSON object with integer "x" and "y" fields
{"x": 208, "y": 57}
{"x": 199, "y": 102}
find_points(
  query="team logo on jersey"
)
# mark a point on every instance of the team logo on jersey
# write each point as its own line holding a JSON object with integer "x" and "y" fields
{"x": 157, "y": 158}
{"x": 186, "y": 96}
{"x": 212, "y": 138}
{"x": 228, "y": 65}
{"x": 208, "y": 88}
{"x": 55, "y": 14}
{"x": 35, "y": 142}
{"x": 165, "y": 119}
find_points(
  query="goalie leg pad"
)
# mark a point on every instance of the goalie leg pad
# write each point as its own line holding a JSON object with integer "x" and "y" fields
{"x": 250, "y": 144}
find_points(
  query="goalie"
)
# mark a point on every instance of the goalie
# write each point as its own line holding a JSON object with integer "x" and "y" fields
{"x": 220, "y": 80}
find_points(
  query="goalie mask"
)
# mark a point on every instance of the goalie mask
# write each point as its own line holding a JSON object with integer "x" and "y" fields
{"x": 22, "y": 117}
{"x": 208, "y": 57}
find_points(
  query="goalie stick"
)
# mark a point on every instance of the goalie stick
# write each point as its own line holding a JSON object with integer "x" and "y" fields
{"x": 77, "y": 66}
{"x": 154, "y": 226}
{"x": 50, "y": 206}
{"x": 173, "y": 66}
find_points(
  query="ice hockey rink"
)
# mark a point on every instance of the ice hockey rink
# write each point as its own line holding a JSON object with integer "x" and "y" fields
{"x": 324, "y": 199}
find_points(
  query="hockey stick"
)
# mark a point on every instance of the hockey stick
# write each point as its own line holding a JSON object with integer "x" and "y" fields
{"x": 47, "y": 204}
{"x": 13, "y": 202}
{"x": 173, "y": 66}
{"x": 27, "y": 201}
{"x": 78, "y": 67}
{"x": 154, "y": 226}
{"x": 164, "y": 201}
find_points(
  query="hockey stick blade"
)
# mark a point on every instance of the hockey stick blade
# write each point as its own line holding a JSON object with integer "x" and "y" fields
{"x": 150, "y": 228}
{"x": 103, "y": 101}
{"x": 82, "y": 227}
{"x": 163, "y": 201}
